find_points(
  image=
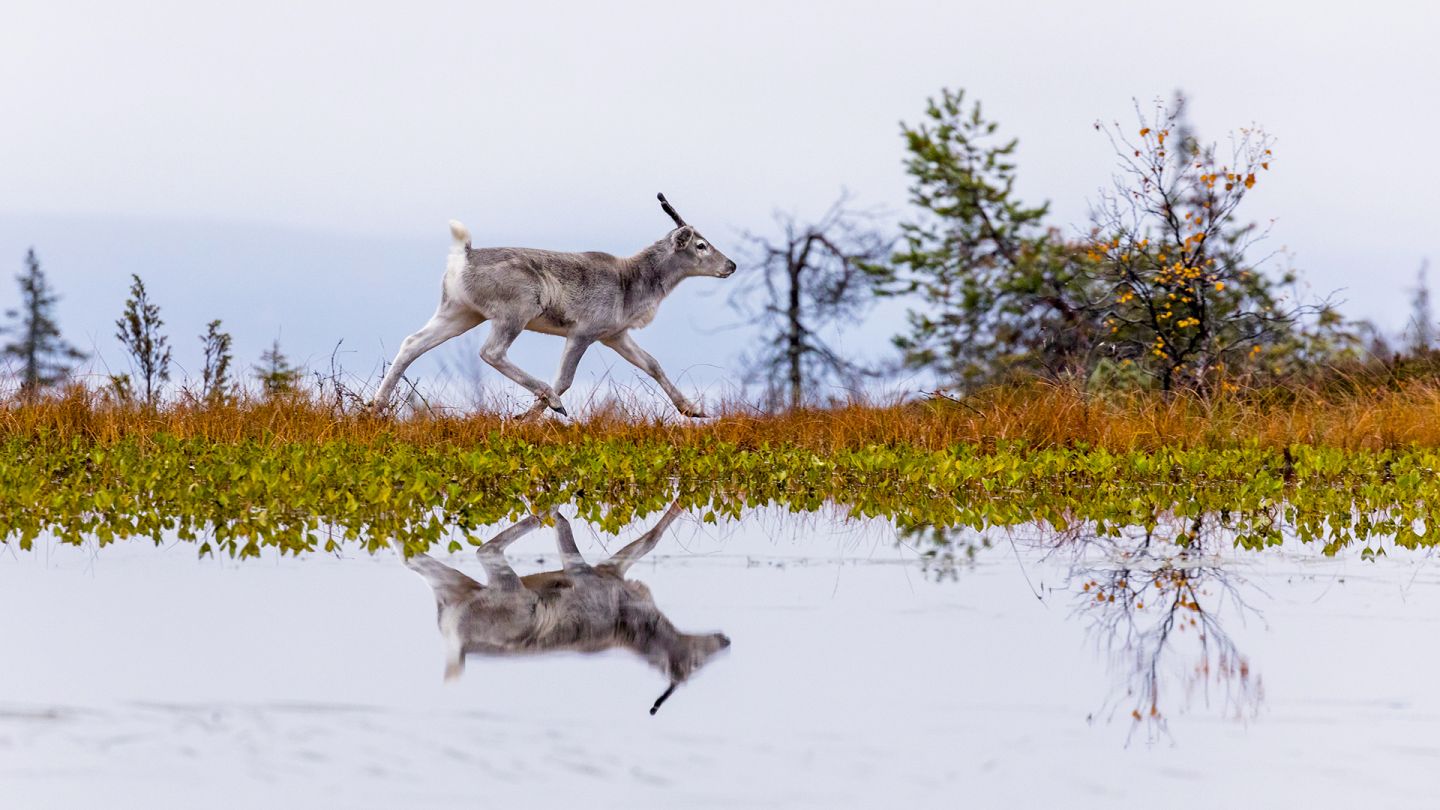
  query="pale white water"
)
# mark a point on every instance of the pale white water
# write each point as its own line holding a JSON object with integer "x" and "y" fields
{"x": 142, "y": 677}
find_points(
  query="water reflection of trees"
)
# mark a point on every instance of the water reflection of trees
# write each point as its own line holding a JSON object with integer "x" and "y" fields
{"x": 944, "y": 552}
{"x": 1155, "y": 601}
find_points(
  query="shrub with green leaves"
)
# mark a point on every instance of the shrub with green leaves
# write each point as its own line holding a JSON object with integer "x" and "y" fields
{"x": 235, "y": 498}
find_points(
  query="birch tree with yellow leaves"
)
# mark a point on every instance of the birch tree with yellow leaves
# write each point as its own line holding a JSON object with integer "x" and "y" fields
{"x": 1183, "y": 298}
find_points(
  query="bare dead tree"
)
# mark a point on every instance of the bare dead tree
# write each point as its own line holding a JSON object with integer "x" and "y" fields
{"x": 811, "y": 277}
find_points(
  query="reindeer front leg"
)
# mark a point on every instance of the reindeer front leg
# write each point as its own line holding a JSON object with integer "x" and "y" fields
{"x": 571, "y": 561}
{"x": 502, "y": 333}
{"x": 575, "y": 346}
{"x": 621, "y": 560}
{"x": 498, "y": 572}
{"x": 626, "y": 347}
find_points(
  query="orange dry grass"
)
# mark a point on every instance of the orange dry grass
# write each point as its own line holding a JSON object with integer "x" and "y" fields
{"x": 1036, "y": 415}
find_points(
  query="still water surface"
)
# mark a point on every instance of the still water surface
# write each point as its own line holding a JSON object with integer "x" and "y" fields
{"x": 865, "y": 669}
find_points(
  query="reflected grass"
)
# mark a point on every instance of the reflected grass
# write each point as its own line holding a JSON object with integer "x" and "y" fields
{"x": 236, "y": 497}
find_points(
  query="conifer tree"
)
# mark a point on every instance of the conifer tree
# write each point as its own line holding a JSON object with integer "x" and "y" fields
{"x": 999, "y": 289}
{"x": 43, "y": 357}
{"x": 277, "y": 377}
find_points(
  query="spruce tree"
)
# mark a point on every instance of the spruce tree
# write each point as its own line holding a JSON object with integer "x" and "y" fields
{"x": 44, "y": 358}
{"x": 999, "y": 290}
{"x": 277, "y": 377}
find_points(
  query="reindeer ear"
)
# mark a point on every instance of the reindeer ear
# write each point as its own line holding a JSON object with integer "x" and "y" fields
{"x": 681, "y": 236}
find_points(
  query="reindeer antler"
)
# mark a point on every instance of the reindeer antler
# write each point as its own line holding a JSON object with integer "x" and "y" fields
{"x": 670, "y": 209}
{"x": 673, "y": 684}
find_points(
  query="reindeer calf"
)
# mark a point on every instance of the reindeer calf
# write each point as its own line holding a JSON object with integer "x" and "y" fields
{"x": 583, "y": 297}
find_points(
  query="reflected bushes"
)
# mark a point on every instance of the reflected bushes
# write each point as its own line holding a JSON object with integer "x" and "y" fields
{"x": 237, "y": 497}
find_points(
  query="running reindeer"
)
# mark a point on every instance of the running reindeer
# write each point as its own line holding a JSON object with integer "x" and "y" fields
{"x": 580, "y": 608}
{"x": 583, "y": 297}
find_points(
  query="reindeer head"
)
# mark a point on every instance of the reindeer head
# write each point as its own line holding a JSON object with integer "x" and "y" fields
{"x": 690, "y": 253}
{"x": 693, "y": 652}
{"x": 679, "y": 655}
{"x": 684, "y": 656}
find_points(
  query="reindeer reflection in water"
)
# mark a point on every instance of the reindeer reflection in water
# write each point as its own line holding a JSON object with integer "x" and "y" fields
{"x": 579, "y": 608}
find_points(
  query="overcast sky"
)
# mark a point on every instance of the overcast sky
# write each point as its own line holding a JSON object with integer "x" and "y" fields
{"x": 290, "y": 167}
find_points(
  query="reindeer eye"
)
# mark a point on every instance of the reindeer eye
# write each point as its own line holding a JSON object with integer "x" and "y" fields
{"x": 701, "y": 246}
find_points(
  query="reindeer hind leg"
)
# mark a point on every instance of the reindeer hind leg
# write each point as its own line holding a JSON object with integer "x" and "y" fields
{"x": 450, "y": 585}
{"x": 502, "y": 334}
{"x": 450, "y": 319}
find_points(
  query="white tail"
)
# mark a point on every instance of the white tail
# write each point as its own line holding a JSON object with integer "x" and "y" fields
{"x": 459, "y": 233}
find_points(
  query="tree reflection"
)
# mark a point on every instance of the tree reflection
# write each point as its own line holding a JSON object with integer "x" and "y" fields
{"x": 944, "y": 552}
{"x": 1155, "y": 602}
